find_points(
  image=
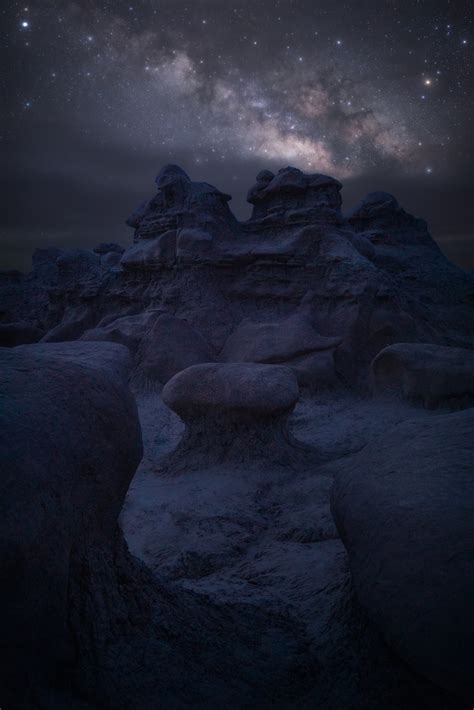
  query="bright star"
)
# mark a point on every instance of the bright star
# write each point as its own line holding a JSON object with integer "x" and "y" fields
{"x": 25, "y": 23}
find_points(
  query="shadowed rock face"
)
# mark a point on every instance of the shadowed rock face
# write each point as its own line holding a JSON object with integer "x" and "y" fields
{"x": 403, "y": 508}
{"x": 70, "y": 444}
{"x": 434, "y": 375}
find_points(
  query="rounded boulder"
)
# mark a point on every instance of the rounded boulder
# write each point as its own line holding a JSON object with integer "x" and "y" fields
{"x": 242, "y": 389}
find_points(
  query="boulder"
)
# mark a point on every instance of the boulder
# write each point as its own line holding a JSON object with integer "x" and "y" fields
{"x": 237, "y": 389}
{"x": 70, "y": 444}
{"x": 403, "y": 507}
{"x": 434, "y": 375}
{"x": 291, "y": 341}
{"x": 169, "y": 346}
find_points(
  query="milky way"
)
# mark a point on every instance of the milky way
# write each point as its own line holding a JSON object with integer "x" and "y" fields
{"x": 102, "y": 93}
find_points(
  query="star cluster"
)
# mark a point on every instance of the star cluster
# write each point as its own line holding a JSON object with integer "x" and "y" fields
{"x": 350, "y": 89}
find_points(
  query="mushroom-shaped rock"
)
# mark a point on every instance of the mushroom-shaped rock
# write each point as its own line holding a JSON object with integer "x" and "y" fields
{"x": 403, "y": 507}
{"x": 234, "y": 409}
{"x": 435, "y": 375}
{"x": 291, "y": 189}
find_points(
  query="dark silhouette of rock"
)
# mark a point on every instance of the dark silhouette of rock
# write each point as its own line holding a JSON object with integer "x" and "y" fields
{"x": 293, "y": 194}
{"x": 181, "y": 203}
{"x": 403, "y": 508}
{"x": 70, "y": 441}
{"x": 376, "y": 278}
{"x": 434, "y": 375}
{"x": 380, "y": 215}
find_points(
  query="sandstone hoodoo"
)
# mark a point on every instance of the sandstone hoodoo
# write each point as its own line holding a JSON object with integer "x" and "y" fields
{"x": 220, "y": 379}
{"x": 233, "y": 410}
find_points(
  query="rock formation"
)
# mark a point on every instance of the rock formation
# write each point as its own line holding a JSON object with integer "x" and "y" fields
{"x": 84, "y": 624}
{"x": 264, "y": 357}
{"x": 404, "y": 511}
{"x": 70, "y": 443}
{"x": 233, "y": 411}
{"x": 434, "y": 375}
{"x": 369, "y": 280}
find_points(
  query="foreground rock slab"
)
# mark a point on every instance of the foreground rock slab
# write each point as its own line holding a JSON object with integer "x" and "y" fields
{"x": 403, "y": 508}
{"x": 70, "y": 443}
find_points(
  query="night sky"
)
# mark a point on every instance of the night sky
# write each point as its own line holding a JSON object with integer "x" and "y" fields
{"x": 99, "y": 95}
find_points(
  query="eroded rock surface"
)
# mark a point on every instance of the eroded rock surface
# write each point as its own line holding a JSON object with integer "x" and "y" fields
{"x": 368, "y": 280}
{"x": 84, "y": 624}
{"x": 233, "y": 411}
{"x": 434, "y": 375}
{"x": 403, "y": 508}
{"x": 71, "y": 442}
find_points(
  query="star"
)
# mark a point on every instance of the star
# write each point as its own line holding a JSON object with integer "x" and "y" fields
{"x": 25, "y": 24}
